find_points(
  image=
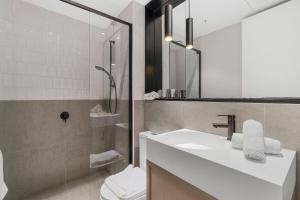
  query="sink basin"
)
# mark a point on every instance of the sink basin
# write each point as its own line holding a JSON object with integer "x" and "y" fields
{"x": 208, "y": 162}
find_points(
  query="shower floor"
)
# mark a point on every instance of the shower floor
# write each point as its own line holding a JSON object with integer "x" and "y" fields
{"x": 87, "y": 188}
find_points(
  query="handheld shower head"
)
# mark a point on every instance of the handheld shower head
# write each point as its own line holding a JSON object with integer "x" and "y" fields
{"x": 112, "y": 85}
{"x": 104, "y": 70}
{"x": 111, "y": 78}
{"x": 100, "y": 68}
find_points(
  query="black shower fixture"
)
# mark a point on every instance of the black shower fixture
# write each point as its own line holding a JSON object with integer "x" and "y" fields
{"x": 65, "y": 116}
{"x": 189, "y": 29}
{"x": 168, "y": 22}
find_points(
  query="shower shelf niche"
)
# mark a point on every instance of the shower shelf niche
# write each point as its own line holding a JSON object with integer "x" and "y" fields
{"x": 103, "y": 119}
{"x": 105, "y": 158}
{"x": 122, "y": 125}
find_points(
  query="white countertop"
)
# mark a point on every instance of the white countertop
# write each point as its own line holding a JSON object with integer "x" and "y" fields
{"x": 278, "y": 172}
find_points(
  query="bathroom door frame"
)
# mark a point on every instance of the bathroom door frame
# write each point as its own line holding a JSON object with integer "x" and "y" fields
{"x": 97, "y": 12}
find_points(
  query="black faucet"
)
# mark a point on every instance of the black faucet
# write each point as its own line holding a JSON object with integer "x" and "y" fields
{"x": 230, "y": 125}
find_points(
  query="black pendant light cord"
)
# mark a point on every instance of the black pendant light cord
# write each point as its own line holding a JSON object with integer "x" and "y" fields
{"x": 189, "y": 7}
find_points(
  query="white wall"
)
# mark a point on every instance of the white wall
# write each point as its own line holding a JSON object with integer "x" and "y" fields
{"x": 221, "y": 63}
{"x": 177, "y": 71}
{"x": 45, "y": 55}
{"x": 135, "y": 14}
{"x": 271, "y": 46}
{"x": 192, "y": 74}
{"x": 165, "y": 58}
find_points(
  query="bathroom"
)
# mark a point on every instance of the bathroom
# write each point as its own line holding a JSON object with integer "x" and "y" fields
{"x": 145, "y": 99}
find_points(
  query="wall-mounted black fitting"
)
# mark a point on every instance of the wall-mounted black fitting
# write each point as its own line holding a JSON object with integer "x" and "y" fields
{"x": 64, "y": 116}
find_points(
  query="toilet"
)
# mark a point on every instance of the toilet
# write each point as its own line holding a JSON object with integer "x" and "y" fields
{"x": 129, "y": 184}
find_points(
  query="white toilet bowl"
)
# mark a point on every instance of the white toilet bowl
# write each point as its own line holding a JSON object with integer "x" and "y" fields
{"x": 130, "y": 173}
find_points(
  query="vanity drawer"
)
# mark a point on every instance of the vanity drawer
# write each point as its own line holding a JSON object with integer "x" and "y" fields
{"x": 163, "y": 185}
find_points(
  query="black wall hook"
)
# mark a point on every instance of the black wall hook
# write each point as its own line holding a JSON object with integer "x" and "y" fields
{"x": 64, "y": 116}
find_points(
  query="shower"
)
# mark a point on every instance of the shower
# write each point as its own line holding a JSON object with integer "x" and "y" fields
{"x": 111, "y": 85}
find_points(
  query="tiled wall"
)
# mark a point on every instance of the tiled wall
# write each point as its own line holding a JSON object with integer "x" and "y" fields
{"x": 45, "y": 55}
{"x": 281, "y": 121}
{"x": 40, "y": 149}
{"x": 47, "y": 67}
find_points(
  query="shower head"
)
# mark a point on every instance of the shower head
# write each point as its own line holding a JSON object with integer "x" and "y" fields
{"x": 100, "y": 68}
{"x": 104, "y": 70}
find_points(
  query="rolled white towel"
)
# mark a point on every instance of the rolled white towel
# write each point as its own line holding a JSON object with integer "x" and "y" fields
{"x": 254, "y": 145}
{"x": 237, "y": 141}
{"x": 272, "y": 146}
{"x": 151, "y": 96}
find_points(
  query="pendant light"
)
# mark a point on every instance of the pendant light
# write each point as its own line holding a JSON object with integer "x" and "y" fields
{"x": 189, "y": 28}
{"x": 168, "y": 22}
{"x": 112, "y": 48}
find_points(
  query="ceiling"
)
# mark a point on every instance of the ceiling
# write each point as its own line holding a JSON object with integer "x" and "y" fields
{"x": 212, "y": 15}
{"x": 209, "y": 15}
{"x": 111, "y": 7}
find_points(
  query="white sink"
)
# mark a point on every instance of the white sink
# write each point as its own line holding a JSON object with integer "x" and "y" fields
{"x": 208, "y": 162}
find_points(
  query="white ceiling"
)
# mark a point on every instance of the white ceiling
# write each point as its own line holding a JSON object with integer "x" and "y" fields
{"x": 111, "y": 7}
{"x": 217, "y": 13}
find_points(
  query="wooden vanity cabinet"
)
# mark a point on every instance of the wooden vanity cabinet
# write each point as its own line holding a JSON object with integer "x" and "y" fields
{"x": 162, "y": 185}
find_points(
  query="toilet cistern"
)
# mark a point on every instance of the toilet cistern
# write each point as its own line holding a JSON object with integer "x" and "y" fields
{"x": 230, "y": 125}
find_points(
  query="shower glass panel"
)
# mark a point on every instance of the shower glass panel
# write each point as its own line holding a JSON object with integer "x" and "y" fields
{"x": 64, "y": 124}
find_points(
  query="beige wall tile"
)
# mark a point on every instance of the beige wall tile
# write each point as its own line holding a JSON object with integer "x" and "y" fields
{"x": 201, "y": 116}
{"x": 163, "y": 116}
{"x": 246, "y": 111}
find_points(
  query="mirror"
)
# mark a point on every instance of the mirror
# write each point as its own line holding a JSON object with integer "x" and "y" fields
{"x": 248, "y": 50}
{"x": 184, "y": 69}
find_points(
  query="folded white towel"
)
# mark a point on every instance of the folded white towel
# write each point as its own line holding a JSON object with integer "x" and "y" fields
{"x": 100, "y": 159}
{"x": 3, "y": 188}
{"x": 96, "y": 109}
{"x": 151, "y": 96}
{"x": 254, "y": 145}
{"x": 129, "y": 184}
{"x": 272, "y": 146}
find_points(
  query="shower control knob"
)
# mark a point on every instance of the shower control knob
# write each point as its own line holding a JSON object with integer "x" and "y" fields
{"x": 64, "y": 116}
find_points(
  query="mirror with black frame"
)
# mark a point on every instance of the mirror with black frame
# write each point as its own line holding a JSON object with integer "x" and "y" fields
{"x": 244, "y": 49}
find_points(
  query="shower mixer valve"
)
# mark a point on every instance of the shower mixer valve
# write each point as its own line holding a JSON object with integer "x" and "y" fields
{"x": 64, "y": 116}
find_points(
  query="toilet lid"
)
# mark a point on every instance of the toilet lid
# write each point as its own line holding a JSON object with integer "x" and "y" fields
{"x": 106, "y": 194}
